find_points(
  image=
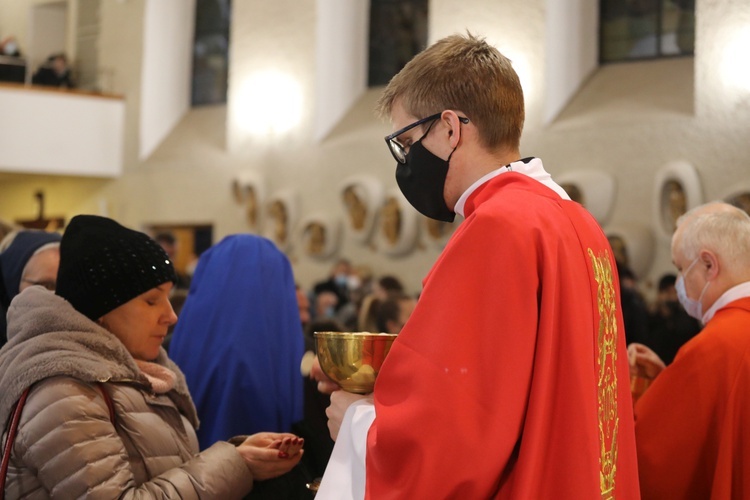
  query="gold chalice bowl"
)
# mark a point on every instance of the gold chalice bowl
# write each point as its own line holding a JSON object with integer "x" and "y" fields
{"x": 353, "y": 359}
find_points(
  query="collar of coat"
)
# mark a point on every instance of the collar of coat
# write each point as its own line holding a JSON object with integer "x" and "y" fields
{"x": 47, "y": 337}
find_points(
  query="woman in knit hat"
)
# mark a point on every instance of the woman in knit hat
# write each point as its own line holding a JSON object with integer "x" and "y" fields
{"x": 108, "y": 415}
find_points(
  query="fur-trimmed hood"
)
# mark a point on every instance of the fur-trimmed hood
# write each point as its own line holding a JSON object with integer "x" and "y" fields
{"x": 47, "y": 337}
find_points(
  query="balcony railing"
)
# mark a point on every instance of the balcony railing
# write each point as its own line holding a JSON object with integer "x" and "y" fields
{"x": 45, "y": 130}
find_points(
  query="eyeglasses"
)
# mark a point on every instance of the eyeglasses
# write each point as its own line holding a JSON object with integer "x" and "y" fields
{"x": 397, "y": 150}
{"x": 49, "y": 285}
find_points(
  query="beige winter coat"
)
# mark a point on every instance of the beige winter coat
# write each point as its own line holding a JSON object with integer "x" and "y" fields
{"x": 67, "y": 447}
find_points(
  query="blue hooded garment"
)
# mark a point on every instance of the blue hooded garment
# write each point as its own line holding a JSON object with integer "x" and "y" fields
{"x": 239, "y": 340}
{"x": 12, "y": 263}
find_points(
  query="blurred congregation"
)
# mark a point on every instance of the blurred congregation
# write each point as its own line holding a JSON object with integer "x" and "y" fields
{"x": 191, "y": 190}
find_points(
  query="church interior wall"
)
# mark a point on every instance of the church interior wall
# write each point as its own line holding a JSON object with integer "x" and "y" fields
{"x": 627, "y": 129}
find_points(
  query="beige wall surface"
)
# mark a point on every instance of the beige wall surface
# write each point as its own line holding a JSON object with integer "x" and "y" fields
{"x": 627, "y": 121}
{"x": 14, "y": 20}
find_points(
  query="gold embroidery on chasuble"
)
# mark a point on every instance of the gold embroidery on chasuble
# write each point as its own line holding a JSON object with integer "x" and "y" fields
{"x": 606, "y": 365}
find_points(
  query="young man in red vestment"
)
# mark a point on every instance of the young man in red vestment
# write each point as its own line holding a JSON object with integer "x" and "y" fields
{"x": 692, "y": 422}
{"x": 510, "y": 378}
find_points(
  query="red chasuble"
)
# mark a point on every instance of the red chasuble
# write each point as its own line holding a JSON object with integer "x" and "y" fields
{"x": 510, "y": 379}
{"x": 693, "y": 423}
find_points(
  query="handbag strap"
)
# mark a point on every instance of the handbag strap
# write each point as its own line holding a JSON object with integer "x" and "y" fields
{"x": 11, "y": 437}
{"x": 14, "y": 429}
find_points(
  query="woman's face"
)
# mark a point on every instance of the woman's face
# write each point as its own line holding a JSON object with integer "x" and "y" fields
{"x": 142, "y": 323}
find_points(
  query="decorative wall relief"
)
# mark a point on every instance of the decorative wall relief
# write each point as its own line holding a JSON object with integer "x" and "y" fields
{"x": 281, "y": 217}
{"x": 677, "y": 189}
{"x": 319, "y": 235}
{"x": 398, "y": 225}
{"x": 437, "y": 233}
{"x": 632, "y": 245}
{"x": 593, "y": 189}
{"x": 361, "y": 197}
{"x": 248, "y": 190}
{"x": 740, "y": 199}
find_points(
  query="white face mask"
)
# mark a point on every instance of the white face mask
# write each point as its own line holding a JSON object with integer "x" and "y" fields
{"x": 693, "y": 307}
{"x": 10, "y": 48}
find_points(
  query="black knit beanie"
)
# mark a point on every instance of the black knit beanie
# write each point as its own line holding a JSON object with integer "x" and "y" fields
{"x": 104, "y": 265}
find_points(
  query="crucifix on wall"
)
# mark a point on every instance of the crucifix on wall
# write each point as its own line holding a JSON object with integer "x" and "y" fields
{"x": 42, "y": 222}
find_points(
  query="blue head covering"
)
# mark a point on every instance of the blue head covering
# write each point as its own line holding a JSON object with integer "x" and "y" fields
{"x": 12, "y": 262}
{"x": 239, "y": 340}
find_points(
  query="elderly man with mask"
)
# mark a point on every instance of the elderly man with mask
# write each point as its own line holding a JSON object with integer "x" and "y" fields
{"x": 27, "y": 258}
{"x": 691, "y": 423}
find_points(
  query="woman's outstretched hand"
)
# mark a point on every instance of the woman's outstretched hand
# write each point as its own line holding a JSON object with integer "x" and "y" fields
{"x": 271, "y": 454}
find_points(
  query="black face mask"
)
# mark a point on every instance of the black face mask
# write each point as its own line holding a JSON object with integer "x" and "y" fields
{"x": 422, "y": 181}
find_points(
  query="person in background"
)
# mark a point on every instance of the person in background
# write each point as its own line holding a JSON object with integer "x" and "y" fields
{"x": 368, "y": 313}
{"x": 9, "y": 47}
{"x": 362, "y": 282}
{"x": 239, "y": 342}
{"x": 395, "y": 312}
{"x": 314, "y": 427}
{"x": 325, "y": 305}
{"x": 305, "y": 315}
{"x": 55, "y": 72}
{"x": 177, "y": 298}
{"x": 634, "y": 309}
{"x": 6, "y": 227}
{"x": 104, "y": 413}
{"x": 170, "y": 245}
{"x": 27, "y": 258}
{"x": 691, "y": 423}
{"x": 240, "y": 333}
{"x": 510, "y": 379}
{"x": 670, "y": 326}
{"x": 337, "y": 283}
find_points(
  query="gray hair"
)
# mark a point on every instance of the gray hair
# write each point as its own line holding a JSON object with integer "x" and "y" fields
{"x": 720, "y": 228}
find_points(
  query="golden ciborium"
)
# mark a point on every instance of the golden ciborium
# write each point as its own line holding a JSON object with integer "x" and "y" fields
{"x": 353, "y": 359}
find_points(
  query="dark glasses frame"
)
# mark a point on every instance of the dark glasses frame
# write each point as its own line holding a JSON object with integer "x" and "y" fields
{"x": 397, "y": 150}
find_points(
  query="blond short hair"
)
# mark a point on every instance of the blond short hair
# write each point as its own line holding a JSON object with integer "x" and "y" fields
{"x": 462, "y": 73}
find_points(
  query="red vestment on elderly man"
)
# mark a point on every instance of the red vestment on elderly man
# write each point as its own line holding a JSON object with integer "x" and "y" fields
{"x": 510, "y": 379}
{"x": 693, "y": 423}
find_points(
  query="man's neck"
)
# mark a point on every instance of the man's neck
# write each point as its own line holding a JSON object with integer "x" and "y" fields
{"x": 485, "y": 162}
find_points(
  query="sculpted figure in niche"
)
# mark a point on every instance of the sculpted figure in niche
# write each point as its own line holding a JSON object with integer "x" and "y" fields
{"x": 619, "y": 250}
{"x": 278, "y": 214}
{"x": 741, "y": 201}
{"x": 251, "y": 206}
{"x": 355, "y": 206}
{"x": 246, "y": 196}
{"x": 436, "y": 229}
{"x": 391, "y": 225}
{"x": 674, "y": 203}
{"x": 237, "y": 191}
{"x": 574, "y": 192}
{"x": 315, "y": 234}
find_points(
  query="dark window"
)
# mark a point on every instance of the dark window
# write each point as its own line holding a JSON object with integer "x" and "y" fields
{"x": 211, "y": 52}
{"x": 398, "y": 31}
{"x": 646, "y": 29}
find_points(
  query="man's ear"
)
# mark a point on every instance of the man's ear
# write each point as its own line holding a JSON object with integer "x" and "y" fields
{"x": 454, "y": 125}
{"x": 711, "y": 261}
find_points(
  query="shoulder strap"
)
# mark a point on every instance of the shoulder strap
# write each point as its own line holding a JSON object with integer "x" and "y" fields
{"x": 10, "y": 439}
{"x": 16, "y": 417}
